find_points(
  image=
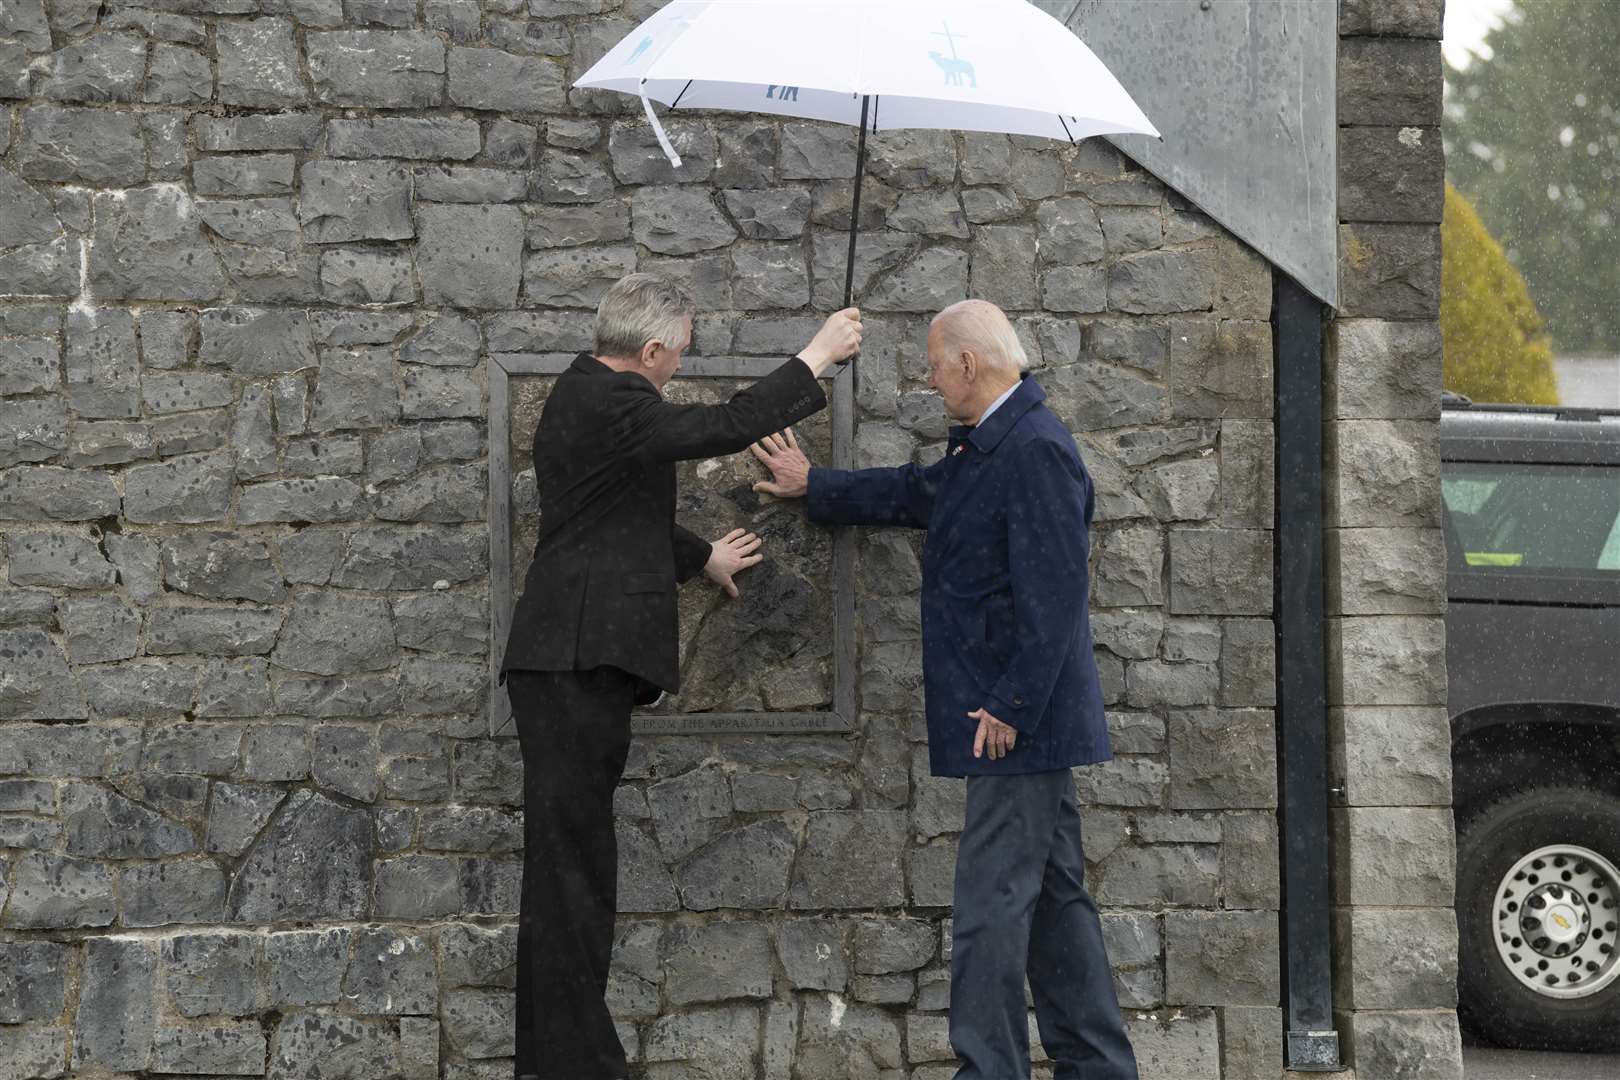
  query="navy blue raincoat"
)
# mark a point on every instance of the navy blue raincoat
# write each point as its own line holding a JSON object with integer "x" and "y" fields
{"x": 1004, "y": 619}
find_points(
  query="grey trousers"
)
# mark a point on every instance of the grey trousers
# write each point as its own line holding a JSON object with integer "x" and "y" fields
{"x": 1022, "y": 909}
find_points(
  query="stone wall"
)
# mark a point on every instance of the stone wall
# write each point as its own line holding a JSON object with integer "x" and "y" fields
{"x": 254, "y": 256}
{"x": 1390, "y": 738}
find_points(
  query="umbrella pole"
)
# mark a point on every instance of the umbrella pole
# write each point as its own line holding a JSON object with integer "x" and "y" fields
{"x": 855, "y": 210}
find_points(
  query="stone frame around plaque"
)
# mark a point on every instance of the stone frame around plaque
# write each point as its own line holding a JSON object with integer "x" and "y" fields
{"x": 499, "y": 368}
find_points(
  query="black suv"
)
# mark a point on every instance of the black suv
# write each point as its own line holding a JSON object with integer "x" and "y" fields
{"x": 1532, "y": 524}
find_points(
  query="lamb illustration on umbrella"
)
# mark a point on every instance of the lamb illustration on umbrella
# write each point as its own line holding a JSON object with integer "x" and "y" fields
{"x": 646, "y": 43}
{"x": 955, "y": 70}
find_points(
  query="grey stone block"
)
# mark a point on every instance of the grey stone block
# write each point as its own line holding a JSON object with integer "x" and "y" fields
{"x": 28, "y": 365}
{"x": 1135, "y": 733}
{"x": 468, "y": 256}
{"x": 258, "y": 64}
{"x": 221, "y": 566}
{"x": 104, "y": 824}
{"x": 1393, "y": 856}
{"x": 50, "y": 493}
{"x": 552, "y": 226}
{"x": 480, "y": 1023}
{"x": 1395, "y": 959}
{"x": 148, "y": 245}
{"x": 39, "y": 685}
{"x": 50, "y": 891}
{"x": 233, "y": 177}
{"x": 813, "y": 954}
{"x": 1390, "y": 271}
{"x": 257, "y": 341}
{"x": 487, "y": 956}
{"x": 339, "y": 1047}
{"x": 32, "y": 980}
{"x": 891, "y": 946}
{"x": 1130, "y": 567}
{"x": 279, "y": 881}
{"x": 1248, "y": 465}
{"x": 390, "y": 972}
{"x": 1409, "y": 1045}
{"x": 769, "y": 276}
{"x": 275, "y": 131}
{"x": 1250, "y": 876}
{"x": 113, "y": 1025}
{"x": 1220, "y": 571}
{"x": 645, "y": 883}
{"x": 575, "y": 276}
{"x": 418, "y": 887}
{"x": 1182, "y": 490}
{"x": 1391, "y": 756}
{"x": 863, "y": 1041}
{"x": 1391, "y": 174}
{"x": 305, "y": 967}
{"x": 212, "y": 972}
{"x": 160, "y": 688}
{"x": 1125, "y": 781}
{"x": 1386, "y": 571}
{"x": 1151, "y": 683}
{"x": 1181, "y": 874}
{"x": 1389, "y": 81}
{"x": 235, "y": 1048}
{"x": 319, "y": 499}
{"x": 377, "y": 68}
{"x": 874, "y": 254}
{"x": 1160, "y": 282}
{"x": 466, "y": 184}
{"x": 34, "y": 429}
{"x": 103, "y": 375}
{"x": 717, "y": 962}
{"x": 1387, "y": 660}
{"x": 1220, "y": 369}
{"x": 172, "y": 891}
{"x": 1222, "y": 759}
{"x": 1382, "y": 370}
{"x": 931, "y": 874}
{"x": 839, "y": 843}
{"x": 236, "y": 813}
{"x": 61, "y": 559}
{"x": 1251, "y": 1042}
{"x": 1392, "y": 18}
{"x": 445, "y": 494}
{"x": 219, "y": 631}
{"x": 678, "y": 221}
{"x": 1221, "y": 957}
{"x": 572, "y": 178}
{"x": 342, "y": 201}
{"x": 1003, "y": 265}
{"x": 744, "y": 868}
{"x": 404, "y": 136}
{"x": 1382, "y": 473}
{"x": 638, "y": 159}
{"x": 935, "y": 279}
{"x": 188, "y": 489}
{"x": 1091, "y": 395}
{"x": 96, "y": 147}
{"x": 1248, "y": 662}
{"x": 818, "y": 152}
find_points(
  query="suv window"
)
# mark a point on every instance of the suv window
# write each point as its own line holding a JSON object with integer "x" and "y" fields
{"x": 1534, "y": 519}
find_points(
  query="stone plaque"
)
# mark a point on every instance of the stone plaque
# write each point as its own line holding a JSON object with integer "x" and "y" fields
{"x": 769, "y": 661}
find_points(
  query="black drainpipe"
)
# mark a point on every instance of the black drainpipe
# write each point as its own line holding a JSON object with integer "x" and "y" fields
{"x": 1307, "y": 944}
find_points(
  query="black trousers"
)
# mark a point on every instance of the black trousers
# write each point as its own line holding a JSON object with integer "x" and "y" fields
{"x": 1022, "y": 909}
{"x": 574, "y": 728}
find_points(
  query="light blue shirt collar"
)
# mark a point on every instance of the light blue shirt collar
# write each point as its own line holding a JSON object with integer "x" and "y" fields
{"x": 996, "y": 404}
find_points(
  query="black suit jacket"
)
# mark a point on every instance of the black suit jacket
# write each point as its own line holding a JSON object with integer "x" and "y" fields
{"x": 601, "y": 589}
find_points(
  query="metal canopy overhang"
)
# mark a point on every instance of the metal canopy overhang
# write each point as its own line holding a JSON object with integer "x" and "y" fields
{"x": 1244, "y": 94}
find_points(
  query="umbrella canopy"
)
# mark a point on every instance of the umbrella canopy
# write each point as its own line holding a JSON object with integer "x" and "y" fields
{"x": 972, "y": 65}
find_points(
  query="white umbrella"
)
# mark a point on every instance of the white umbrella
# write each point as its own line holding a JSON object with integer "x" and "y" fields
{"x": 973, "y": 65}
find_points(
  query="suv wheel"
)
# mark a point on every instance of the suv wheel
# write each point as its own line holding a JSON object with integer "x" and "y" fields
{"x": 1538, "y": 920}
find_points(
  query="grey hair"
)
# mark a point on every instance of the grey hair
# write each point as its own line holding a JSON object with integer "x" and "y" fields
{"x": 640, "y": 308}
{"x": 981, "y": 326}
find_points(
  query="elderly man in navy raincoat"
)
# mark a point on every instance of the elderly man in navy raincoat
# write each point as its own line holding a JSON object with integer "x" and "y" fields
{"x": 1012, "y": 693}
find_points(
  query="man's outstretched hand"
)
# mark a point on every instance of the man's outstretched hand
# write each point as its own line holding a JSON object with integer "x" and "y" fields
{"x": 731, "y": 554}
{"x": 993, "y": 735}
{"x": 790, "y": 469}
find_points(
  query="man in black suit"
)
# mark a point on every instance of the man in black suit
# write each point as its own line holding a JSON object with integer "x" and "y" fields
{"x": 595, "y": 632}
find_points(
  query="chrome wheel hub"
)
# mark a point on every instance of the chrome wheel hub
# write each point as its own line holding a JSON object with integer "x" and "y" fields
{"x": 1557, "y": 916}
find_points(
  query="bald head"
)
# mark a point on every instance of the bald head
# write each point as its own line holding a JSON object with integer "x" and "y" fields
{"x": 973, "y": 358}
{"x": 980, "y": 327}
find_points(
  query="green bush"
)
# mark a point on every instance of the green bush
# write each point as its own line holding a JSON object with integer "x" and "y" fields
{"x": 1495, "y": 348}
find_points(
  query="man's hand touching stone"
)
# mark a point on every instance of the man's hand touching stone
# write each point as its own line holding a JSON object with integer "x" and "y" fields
{"x": 790, "y": 469}
{"x": 732, "y": 554}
